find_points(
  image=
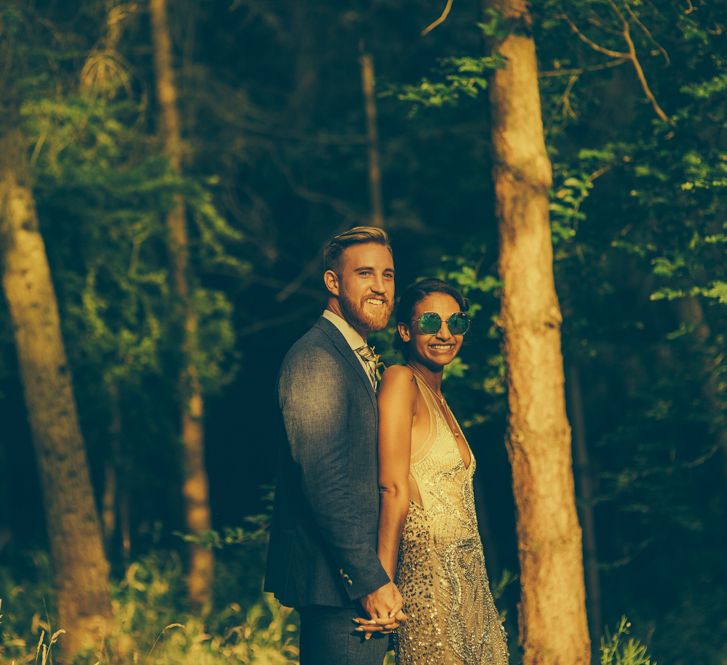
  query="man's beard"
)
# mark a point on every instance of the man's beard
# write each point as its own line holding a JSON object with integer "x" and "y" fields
{"x": 361, "y": 319}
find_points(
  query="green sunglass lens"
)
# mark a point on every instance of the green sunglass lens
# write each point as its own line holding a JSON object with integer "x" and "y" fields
{"x": 458, "y": 324}
{"x": 429, "y": 323}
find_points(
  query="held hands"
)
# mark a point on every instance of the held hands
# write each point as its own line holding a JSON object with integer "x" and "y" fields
{"x": 383, "y": 607}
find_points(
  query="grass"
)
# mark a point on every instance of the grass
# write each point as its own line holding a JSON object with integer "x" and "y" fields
{"x": 151, "y": 623}
{"x": 153, "y": 626}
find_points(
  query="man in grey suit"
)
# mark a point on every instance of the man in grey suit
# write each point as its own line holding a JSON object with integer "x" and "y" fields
{"x": 322, "y": 558}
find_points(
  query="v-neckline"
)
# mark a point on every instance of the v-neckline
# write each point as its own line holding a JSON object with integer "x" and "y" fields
{"x": 453, "y": 438}
{"x": 447, "y": 427}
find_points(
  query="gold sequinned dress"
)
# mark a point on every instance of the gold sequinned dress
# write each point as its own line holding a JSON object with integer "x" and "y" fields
{"x": 441, "y": 572}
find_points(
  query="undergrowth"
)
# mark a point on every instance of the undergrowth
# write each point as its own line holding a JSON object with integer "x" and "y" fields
{"x": 153, "y": 626}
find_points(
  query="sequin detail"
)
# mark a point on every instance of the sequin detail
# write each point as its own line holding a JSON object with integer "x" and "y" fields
{"x": 441, "y": 573}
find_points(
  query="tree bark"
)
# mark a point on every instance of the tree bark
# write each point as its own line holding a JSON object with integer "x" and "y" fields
{"x": 553, "y": 625}
{"x": 81, "y": 572}
{"x": 195, "y": 486}
{"x": 706, "y": 351}
{"x": 115, "y": 495}
{"x": 108, "y": 503}
{"x": 368, "y": 85}
{"x": 6, "y": 533}
{"x": 585, "y": 485}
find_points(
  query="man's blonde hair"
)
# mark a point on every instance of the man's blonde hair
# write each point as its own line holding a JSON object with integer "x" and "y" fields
{"x": 358, "y": 235}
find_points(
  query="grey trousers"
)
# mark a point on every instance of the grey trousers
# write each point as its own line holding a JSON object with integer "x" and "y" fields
{"x": 327, "y": 637}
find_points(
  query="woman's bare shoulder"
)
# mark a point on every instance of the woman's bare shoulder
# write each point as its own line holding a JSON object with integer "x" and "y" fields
{"x": 398, "y": 380}
{"x": 397, "y": 373}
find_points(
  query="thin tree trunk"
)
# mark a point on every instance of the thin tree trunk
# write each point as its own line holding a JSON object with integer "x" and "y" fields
{"x": 368, "y": 85}
{"x": 691, "y": 312}
{"x": 6, "y": 534}
{"x": 114, "y": 463}
{"x": 94, "y": 81}
{"x": 306, "y": 86}
{"x": 553, "y": 625}
{"x": 81, "y": 572}
{"x": 585, "y": 485}
{"x": 125, "y": 523}
{"x": 196, "y": 487}
{"x": 108, "y": 503}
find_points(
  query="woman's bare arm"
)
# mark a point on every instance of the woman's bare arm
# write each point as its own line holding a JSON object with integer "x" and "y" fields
{"x": 397, "y": 408}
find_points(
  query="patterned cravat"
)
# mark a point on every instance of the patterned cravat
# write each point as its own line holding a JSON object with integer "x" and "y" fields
{"x": 369, "y": 356}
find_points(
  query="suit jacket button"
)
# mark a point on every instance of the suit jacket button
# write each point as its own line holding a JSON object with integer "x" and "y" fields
{"x": 350, "y": 581}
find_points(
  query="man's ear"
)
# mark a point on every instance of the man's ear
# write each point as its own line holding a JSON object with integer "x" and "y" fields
{"x": 330, "y": 279}
{"x": 404, "y": 332}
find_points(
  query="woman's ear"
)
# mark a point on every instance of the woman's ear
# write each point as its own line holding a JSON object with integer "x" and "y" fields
{"x": 330, "y": 279}
{"x": 404, "y": 333}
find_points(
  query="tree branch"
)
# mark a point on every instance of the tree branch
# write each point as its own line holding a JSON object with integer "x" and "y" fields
{"x": 274, "y": 322}
{"x": 596, "y": 47}
{"x": 577, "y": 71}
{"x": 630, "y": 55}
{"x": 647, "y": 32}
{"x": 440, "y": 20}
{"x": 637, "y": 65}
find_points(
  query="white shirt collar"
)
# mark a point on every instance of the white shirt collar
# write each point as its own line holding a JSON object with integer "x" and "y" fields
{"x": 350, "y": 334}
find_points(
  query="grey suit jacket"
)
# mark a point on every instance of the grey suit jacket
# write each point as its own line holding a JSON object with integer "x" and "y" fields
{"x": 325, "y": 520}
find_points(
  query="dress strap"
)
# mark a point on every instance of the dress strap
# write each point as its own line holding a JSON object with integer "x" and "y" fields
{"x": 420, "y": 448}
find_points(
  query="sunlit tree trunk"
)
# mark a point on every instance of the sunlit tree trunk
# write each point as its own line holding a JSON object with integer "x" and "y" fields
{"x": 584, "y": 476}
{"x": 81, "y": 572}
{"x": 195, "y": 488}
{"x": 553, "y": 625}
{"x": 368, "y": 86}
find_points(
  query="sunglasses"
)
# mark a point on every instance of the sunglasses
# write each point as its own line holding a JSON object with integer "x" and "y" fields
{"x": 429, "y": 323}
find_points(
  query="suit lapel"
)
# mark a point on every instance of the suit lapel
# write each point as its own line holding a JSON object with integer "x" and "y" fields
{"x": 341, "y": 345}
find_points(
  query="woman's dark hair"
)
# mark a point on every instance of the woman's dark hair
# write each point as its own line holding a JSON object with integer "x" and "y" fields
{"x": 416, "y": 292}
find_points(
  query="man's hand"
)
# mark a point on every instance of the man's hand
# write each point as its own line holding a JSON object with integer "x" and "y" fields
{"x": 383, "y": 608}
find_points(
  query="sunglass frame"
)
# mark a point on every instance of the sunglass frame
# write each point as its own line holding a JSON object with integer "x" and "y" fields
{"x": 456, "y": 316}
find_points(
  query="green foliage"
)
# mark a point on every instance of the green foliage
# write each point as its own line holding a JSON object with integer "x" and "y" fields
{"x": 216, "y": 339}
{"x": 151, "y": 624}
{"x": 459, "y": 77}
{"x": 570, "y": 191}
{"x": 275, "y": 162}
{"x": 478, "y": 371}
{"x": 614, "y": 651}
{"x": 103, "y": 189}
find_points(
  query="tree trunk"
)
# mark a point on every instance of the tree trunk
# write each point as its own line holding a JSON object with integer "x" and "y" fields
{"x": 553, "y": 625}
{"x": 706, "y": 351}
{"x": 108, "y": 503}
{"x": 585, "y": 485}
{"x": 6, "y": 533}
{"x": 195, "y": 487}
{"x": 305, "y": 41}
{"x": 81, "y": 572}
{"x": 368, "y": 85}
{"x": 115, "y": 493}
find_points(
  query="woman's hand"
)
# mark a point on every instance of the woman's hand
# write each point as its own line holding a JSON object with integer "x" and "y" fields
{"x": 383, "y": 606}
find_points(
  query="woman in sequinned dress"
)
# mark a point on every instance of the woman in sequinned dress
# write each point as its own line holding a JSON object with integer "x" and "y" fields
{"x": 428, "y": 538}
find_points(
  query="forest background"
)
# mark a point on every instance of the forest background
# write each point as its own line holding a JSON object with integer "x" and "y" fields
{"x": 184, "y": 190}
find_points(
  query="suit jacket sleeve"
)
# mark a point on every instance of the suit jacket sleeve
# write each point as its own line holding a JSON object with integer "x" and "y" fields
{"x": 313, "y": 400}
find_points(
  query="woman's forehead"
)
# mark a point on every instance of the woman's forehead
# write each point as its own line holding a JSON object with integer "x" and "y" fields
{"x": 441, "y": 303}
